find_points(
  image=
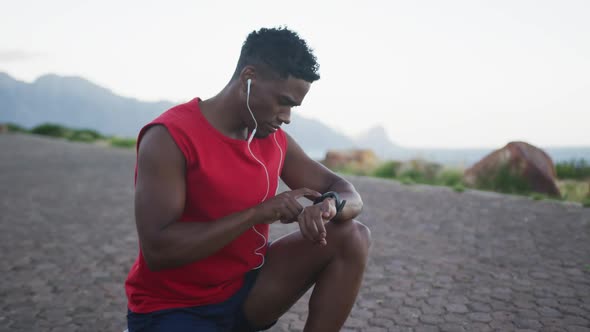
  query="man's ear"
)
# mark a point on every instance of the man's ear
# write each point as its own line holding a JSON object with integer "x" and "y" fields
{"x": 248, "y": 73}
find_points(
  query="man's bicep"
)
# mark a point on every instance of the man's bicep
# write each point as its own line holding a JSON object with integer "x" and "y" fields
{"x": 300, "y": 170}
{"x": 160, "y": 187}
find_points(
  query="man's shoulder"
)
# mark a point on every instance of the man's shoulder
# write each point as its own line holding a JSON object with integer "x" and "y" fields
{"x": 177, "y": 117}
{"x": 178, "y": 123}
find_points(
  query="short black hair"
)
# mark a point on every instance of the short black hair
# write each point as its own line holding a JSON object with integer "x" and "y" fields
{"x": 282, "y": 50}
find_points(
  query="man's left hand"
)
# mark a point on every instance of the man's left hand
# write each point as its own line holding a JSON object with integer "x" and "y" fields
{"x": 312, "y": 219}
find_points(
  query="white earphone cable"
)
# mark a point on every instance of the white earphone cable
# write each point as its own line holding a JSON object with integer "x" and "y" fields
{"x": 280, "y": 162}
{"x": 265, "y": 172}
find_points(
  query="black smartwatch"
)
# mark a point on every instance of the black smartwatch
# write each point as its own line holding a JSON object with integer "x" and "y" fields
{"x": 331, "y": 194}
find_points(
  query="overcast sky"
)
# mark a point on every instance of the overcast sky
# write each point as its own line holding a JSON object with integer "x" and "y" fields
{"x": 433, "y": 73}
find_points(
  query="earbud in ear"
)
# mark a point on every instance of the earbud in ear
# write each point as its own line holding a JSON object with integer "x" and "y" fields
{"x": 248, "y": 90}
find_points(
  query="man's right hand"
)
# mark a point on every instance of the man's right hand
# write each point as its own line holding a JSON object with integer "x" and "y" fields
{"x": 284, "y": 206}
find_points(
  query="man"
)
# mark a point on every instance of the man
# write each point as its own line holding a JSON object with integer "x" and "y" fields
{"x": 206, "y": 175}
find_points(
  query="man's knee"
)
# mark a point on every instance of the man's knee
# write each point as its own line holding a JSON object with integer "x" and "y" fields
{"x": 364, "y": 232}
{"x": 353, "y": 237}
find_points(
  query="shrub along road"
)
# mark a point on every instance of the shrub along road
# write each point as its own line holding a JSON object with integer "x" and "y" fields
{"x": 441, "y": 260}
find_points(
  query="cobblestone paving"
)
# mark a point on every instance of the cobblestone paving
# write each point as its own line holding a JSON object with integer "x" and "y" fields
{"x": 440, "y": 261}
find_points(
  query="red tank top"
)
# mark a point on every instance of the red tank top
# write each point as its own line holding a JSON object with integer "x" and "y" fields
{"x": 221, "y": 178}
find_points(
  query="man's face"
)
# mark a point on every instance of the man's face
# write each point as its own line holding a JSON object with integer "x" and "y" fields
{"x": 271, "y": 101}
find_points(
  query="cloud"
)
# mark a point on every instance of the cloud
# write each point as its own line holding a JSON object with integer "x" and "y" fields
{"x": 17, "y": 55}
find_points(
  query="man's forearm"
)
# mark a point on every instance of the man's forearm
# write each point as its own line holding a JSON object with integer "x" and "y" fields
{"x": 354, "y": 203}
{"x": 181, "y": 243}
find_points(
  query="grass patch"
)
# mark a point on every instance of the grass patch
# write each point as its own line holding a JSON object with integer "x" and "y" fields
{"x": 573, "y": 190}
{"x": 459, "y": 187}
{"x": 84, "y": 135}
{"x": 387, "y": 170}
{"x": 537, "y": 196}
{"x": 120, "y": 142}
{"x": 407, "y": 181}
{"x": 74, "y": 135}
{"x": 414, "y": 176}
{"x": 420, "y": 172}
{"x": 450, "y": 177}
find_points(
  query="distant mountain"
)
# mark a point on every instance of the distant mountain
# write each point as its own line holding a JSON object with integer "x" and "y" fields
{"x": 377, "y": 140}
{"x": 78, "y": 103}
{"x": 75, "y": 102}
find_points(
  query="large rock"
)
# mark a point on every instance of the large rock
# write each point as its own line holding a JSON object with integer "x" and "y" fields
{"x": 363, "y": 160}
{"x": 517, "y": 167}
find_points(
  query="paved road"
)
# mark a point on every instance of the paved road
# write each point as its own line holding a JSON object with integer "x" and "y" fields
{"x": 441, "y": 261}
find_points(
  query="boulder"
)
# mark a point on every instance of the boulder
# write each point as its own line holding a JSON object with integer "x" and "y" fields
{"x": 518, "y": 167}
{"x": 363, "y": 160}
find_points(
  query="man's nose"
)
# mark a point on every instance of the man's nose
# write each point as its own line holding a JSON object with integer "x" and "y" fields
{"x": 285, "y": 117}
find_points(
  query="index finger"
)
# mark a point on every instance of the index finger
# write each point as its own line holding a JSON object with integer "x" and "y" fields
{"x": 305, "y": 192}
{"x": 320, "y": 223}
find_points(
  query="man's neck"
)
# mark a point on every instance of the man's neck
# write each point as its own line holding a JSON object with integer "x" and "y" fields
{"x": 223, "y": 113}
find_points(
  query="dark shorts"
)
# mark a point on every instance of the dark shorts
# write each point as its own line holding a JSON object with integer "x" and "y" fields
{"x": 225, "y": 316}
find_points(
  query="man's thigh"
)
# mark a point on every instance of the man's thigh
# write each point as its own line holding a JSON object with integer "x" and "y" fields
{"x": 291, "y": 267}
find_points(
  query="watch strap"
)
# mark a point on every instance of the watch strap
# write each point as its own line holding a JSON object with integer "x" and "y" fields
{"x": 331, "y": 194}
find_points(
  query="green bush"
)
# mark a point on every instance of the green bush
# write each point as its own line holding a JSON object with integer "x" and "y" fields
{"x": 459, "y": 188}
{"x": 122, "y": 142}
{"x": 407, "y": 181}
{"x": 51, "y": 129}
{"x": 538, "y": 196}
{"x": 387, "y": 170}
{"x": 450, "y": 177}
{"x": 414, "y": 175}
{"x": 419, "y": 171}
{"x": 573, "y": 169}
{"x": 84, "y": 135}
{"x": 14, "y": 128}
{"x": 77, "y": 135}
{"x": 586, "y": 202}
